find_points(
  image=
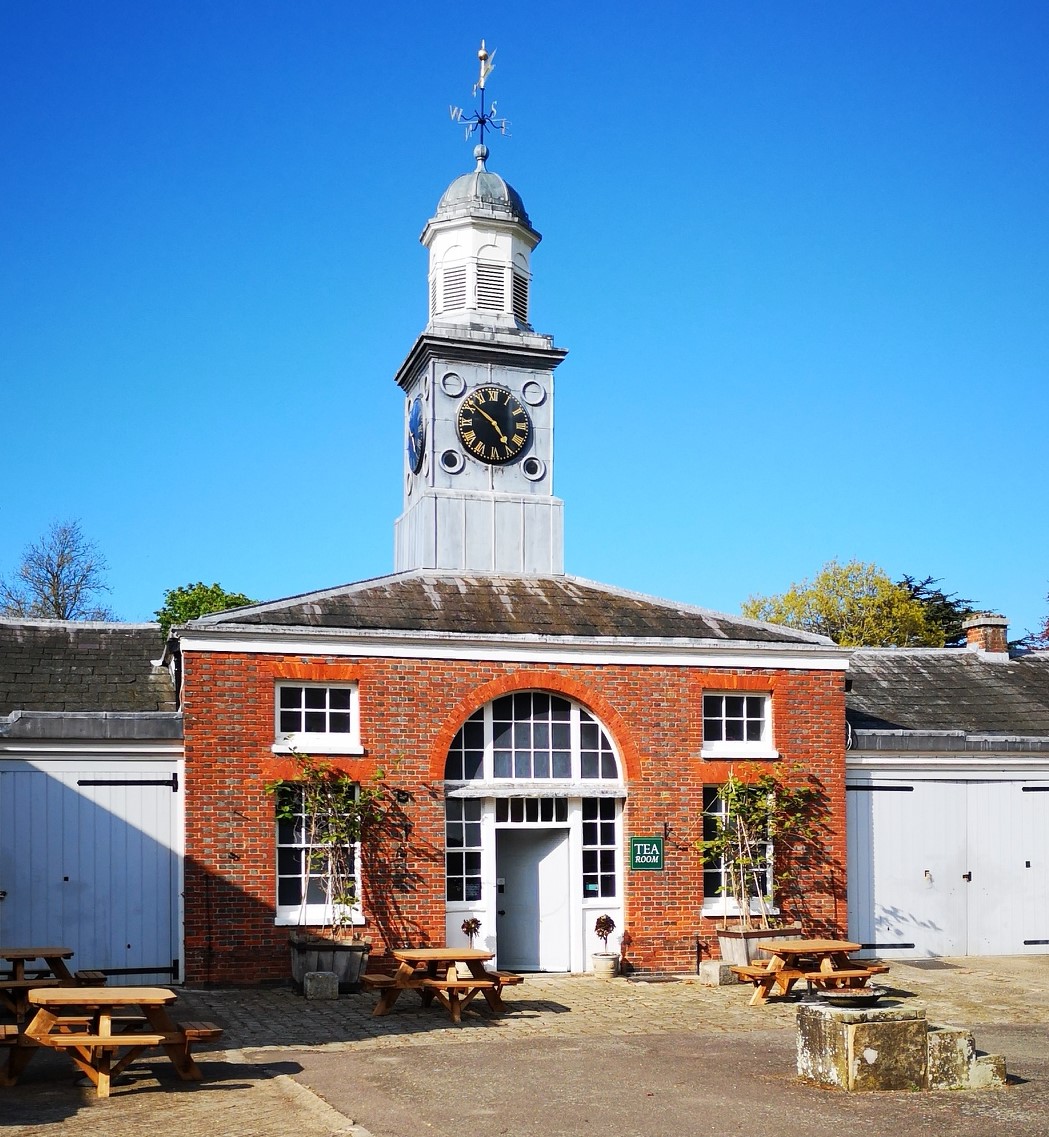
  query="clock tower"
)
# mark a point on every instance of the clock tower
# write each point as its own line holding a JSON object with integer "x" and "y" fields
{"x": 479, "y": 389}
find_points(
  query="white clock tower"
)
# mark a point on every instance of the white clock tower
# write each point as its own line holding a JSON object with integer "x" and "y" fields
{"x": 479, "y": 387}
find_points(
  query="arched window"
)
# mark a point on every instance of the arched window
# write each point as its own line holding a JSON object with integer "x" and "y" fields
{"x": 531, "y": 736}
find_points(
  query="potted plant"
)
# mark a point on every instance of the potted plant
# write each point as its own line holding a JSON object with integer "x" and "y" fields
{"x": 752, "y": 820}
{"x": 471, "y": 926}
{"x": 328, "y": 812}
{"x": 606, "y": 963}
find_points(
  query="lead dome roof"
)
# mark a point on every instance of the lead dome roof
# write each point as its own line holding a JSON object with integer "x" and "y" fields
{"x": 482, "y": 192}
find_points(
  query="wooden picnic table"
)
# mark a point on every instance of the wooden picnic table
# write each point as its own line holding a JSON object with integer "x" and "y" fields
{"x": 820, "y": 962}
{"x": 104, "y": 1029}
{"x": 454, "y": 976}
{"x": 48, "y": 967}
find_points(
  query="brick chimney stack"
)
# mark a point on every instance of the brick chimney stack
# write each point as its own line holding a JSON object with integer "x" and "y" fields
{"x": 986, "y": 632}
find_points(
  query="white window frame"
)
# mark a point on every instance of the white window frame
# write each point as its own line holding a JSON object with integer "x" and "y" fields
{"x": 305, "y": 914}
{"x": 759, "y": 749}
{"x": 318, "y": 742}
{"x": 722, "y": 903}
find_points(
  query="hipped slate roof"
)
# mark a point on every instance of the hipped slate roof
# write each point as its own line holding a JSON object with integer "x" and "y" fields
{"x": 55, "y": 665}
{"x": 489, "y": 604}
{"x": 948, "y": 689}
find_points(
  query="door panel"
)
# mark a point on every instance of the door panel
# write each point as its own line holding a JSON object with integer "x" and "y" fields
{"x": 532, "y": 923}
{"x": 93, "y": 867}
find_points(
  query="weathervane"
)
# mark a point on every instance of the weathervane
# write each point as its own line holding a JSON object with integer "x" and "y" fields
{"x": 482, "y": 119}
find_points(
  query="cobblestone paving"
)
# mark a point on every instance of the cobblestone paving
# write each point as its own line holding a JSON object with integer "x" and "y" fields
{"x": 241, "y": 1096}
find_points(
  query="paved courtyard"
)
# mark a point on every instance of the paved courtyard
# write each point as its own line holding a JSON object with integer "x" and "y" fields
{"x": 574, "y": 1056}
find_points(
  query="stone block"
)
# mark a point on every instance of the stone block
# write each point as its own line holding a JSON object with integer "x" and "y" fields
{"x": 987, "y": 1072}
{"x": 320, "y": 985}
{"x": 862, "y": 1048}
{"x": 716, "y": 973}
{"x": 951, "y": 1053}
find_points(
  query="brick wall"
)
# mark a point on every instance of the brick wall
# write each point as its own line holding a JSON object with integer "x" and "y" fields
{"x": 410, "y": 711}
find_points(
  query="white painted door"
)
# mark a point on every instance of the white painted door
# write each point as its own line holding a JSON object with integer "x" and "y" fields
{"x": 532, "y": 920}
{"x": 89, "y": 860}
{"x": 938, "y": 867}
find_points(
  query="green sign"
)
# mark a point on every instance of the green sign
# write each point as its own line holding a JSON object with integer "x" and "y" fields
{"x": 646, "y": 854}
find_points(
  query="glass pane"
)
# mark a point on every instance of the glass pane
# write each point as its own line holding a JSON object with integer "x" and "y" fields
{"x": 589, "y": 736}
{"x": 561, "y": 811}
{"x": 453, "y": 838}
{"x": 473, "y": 864}
{"x": 734, "y": 706}
{"x": 290, "y": 696}
{"x": 501, "y": 764}
{"x": 473, "y": 764}
{"x": 540, "y": 706}
{"x": 315, "y": 696}
{"x": 314, "y": 722}
{"x": 455, "y": 888}
{"x": 542, "y": 765}
{"x": 503, "y": 734}
{"x": 590, "y": 860}
{"x": 288, "y": 891}
{"x": 588, "y": 765}
{"x": 560, "y": 709}
{"x": 473, "y": 889}
{"x": 287, "y": 831}
{"x": 531, "y": 810}
{"x": 522, "y": 705}
{"x": 339, "y": 723}
{"x": 501, "y": 812}
{"x": 608, "y": 860}
{"x": 608, "y": 886}
{"x": 503, "y": 709}
{"x": 315, "y": 893}
{"x": 589, "y": 832}
{"x": 562, "y": 764}
{"x": 589, "y": 887}
{"x": 472, "y": 809}
{"x": 608, "y": 766}
{"x": 561, "y": 738}
{"x": 753, "y": 731}
{"x": 453, "y": 808}
{"x": 734, "y": 730}
{"x": 589, "y": 808}
{"x": 289, "y": 722}
{"x": 339, "y": 698}
{"x": 473, "y": 835}
{"x": 523, "y": 765}
{"x": 712, "y": 706}
{"x": 712, "y": 730}
{"x": 608, "y": 832}
{"x": 541, "y": 735}
{"x": 455, "y": 864}
{"x": 606, "y": 809}
{"x": 453, "y": 768}
{"x": 473, "y": 735}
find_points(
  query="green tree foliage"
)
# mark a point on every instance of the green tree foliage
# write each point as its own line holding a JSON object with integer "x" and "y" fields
{"x": 856, "y": 604}
{"x": 944, "y": 610}
{"x": 59, "y": 578}
{"x": 200, "y": 599}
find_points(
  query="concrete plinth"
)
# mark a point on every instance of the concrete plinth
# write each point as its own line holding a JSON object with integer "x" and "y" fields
{"x": 320, "y": 985}
{"x": 868, "y": 1048}
{"x": 716, "y": 973}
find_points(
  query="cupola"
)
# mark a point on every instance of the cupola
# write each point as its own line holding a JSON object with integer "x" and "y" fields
{"x": 480, "y": 243}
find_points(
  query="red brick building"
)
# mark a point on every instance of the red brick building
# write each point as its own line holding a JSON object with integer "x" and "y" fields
{"x": 528, "y": 724}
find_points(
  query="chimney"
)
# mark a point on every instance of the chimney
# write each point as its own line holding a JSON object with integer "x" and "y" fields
{"x": 986, "y": 633}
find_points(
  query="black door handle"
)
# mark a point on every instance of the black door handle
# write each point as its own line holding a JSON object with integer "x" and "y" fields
{"x": 967, "y": 876}
{"x": 502, "y": 912}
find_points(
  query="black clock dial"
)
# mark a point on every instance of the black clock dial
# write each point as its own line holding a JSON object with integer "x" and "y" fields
{"x": 493, "y": 425}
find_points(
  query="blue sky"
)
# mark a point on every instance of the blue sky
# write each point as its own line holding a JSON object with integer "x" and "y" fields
{"x": 799, "y": 255}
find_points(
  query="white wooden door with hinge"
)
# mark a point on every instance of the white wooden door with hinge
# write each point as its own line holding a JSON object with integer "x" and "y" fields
{"x": 941, "y": 868}
{"x": 89, "y": 859}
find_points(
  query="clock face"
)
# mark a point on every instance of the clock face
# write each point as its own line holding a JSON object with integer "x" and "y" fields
{"x": 416, "y": 443}
{"x": 493, "y": 425}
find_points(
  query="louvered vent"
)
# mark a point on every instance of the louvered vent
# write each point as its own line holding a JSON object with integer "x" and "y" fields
{"x": 521, "y": 297}
{"x": 454, "y": 288}
{"x": 491, "y": 295}
{"x": 433, "y": 295}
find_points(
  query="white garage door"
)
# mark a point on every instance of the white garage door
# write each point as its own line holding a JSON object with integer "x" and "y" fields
{"x": 949, "y": 867}
{"x": 89, "y": 860}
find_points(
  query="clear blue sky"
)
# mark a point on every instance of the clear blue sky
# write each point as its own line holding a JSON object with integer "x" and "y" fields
{"x": 799, "y": 254}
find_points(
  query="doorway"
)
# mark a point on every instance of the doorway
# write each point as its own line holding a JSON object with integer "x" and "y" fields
{"x": 533, "y": 923}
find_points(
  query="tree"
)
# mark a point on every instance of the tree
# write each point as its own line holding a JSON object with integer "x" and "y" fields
{"x": 60, "y": 578}
{"x": 191, "y": 600}
{"x": 944, "y": 610}
{"x": 856, "y": 604}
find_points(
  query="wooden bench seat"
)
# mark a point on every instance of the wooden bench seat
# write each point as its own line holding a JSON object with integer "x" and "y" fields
{"x": 90, "y": 978}
{"x": 200, "y": 1031}
{"x": 8, "y": 1034}
{"x": 135, "y": 1038}
{"x": 377, "y": 979}
{"x": 750, "y": 971}
{"x": 853, "y": 977}
{"x": 460, "y": 984}
{"x": 506, "y": 978}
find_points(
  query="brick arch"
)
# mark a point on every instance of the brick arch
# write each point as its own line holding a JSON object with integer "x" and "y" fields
{"x": 555, "y": 683}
